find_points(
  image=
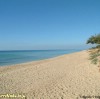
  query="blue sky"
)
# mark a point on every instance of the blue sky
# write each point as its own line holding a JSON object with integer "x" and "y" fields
{"x": 47, "y": 24}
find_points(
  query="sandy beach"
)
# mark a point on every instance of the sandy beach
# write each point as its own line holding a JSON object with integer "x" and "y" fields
{"x": 70, "y": 76}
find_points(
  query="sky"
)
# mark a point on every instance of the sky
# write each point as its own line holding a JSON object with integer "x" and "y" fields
{"x": 47, "y": 24}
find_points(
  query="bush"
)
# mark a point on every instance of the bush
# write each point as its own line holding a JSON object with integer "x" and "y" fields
{"x": 95, "y": 51}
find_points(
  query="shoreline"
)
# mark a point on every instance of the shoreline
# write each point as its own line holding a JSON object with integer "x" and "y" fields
{"x": 64, "y": 77}
{"x": 40, "y": 59}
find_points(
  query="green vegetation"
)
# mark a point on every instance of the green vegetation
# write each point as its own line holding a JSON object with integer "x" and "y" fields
{"x": 95, "y": 51}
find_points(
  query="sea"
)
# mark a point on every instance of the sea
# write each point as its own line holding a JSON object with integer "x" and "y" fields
{"x": 21, "y": 56}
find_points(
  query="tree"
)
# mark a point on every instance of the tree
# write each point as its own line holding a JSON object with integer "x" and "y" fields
{"x": 95, "y": 51}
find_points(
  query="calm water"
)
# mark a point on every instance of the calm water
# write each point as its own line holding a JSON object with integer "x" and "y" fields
{"x": 16, "y": 57}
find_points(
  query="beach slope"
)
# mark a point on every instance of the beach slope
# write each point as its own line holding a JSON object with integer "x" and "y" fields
{"x": 70, "y": 76}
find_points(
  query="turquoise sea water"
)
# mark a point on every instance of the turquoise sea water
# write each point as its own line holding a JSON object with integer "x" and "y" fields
{"x": 16, "y": 57}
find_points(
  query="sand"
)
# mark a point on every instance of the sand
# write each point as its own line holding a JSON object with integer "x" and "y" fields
{"x": 70, "y": 76}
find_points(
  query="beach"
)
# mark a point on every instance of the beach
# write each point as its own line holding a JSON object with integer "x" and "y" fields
{"x": 69, "y": 76}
